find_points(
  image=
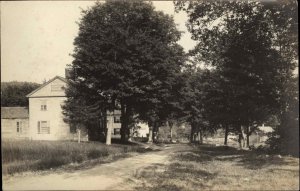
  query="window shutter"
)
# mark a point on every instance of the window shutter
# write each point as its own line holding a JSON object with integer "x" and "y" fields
{"x": 39, "y": 127}
{"x": 48, "y": 125}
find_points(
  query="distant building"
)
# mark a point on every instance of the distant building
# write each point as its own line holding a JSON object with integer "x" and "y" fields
{"x": 14, "y": 123}
{"x": 141, "y": 130}
{"x": 114, "y": 118}
{"x": 262, "y": 133}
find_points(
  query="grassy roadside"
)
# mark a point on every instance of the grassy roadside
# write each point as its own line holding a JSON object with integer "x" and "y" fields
{"x": 21, "y": 156}
{"x": 208, "y": 167}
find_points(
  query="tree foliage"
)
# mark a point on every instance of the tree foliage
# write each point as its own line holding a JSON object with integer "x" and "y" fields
{"x": 14, "y": 93}
{"x": 251, "y": 46}
{"x": 125, "y": 53}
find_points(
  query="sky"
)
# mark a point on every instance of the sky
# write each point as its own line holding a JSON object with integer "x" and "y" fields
{"x": 37, "y": 36}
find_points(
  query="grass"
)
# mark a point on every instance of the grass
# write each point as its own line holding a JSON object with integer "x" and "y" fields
{"x": 209, "y": 167}
{"x": 20, "y": 156}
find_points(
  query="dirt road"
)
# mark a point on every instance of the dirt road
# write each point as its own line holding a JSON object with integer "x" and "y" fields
{"x": 118, "y": 175}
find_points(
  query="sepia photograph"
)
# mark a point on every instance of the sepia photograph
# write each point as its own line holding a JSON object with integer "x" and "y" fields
{"x": 150, "y": 95}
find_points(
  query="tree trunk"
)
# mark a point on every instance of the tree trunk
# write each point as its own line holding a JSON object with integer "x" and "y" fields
{"x": 171, "y": 128}
{"x": 241, "y": 137}
{"x": 171, "y": 134}
{"x": 123, "y": 122}
{"x": 192, "y": 133}
{"x": 155, "y": 132}
{"x": 226, "y": 134}
{"x": 130, "y": 123}
{"x": 200, "y": 136}
{"x": 240, "y": 140}
{"x": 124, "y": 131}
{"x": 109, "y": 128}
{"x": 79, "y": 135}
{"x": 247, "y": 136}
{"x": 150, "y": 138}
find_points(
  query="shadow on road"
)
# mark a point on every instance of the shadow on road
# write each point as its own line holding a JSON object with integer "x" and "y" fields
{"x": 245, "y": 158}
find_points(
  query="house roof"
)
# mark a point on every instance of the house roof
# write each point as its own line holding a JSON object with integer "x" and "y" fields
{"x": 14, "y": 113}
{"x": 45, "y": 84}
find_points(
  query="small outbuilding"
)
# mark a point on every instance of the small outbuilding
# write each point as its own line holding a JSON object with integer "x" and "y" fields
{"x": 14, "y": 123}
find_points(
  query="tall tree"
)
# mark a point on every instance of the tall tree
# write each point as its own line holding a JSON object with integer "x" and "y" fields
{"x": 125, "y": 52}
{"x": 85, "y": 108}
{"x": 192, "y": 99}
{"x": 285, "y": 22}
{"x": 239, "y": 40}
{"x": 164, "y": 107}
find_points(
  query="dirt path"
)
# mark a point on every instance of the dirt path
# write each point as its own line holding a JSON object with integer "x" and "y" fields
{"x": 110, "y": 176}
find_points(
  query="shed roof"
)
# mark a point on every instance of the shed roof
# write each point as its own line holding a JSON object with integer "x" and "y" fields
{"x": 14, "y": 113}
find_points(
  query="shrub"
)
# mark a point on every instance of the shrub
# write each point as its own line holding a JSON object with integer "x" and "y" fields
{"x": 52, "y": 162}
{"x": 97, "y": 153}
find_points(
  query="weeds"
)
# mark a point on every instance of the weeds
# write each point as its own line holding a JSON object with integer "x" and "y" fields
{"x": 209, "y": 167}
{"x": 20, "y": 156}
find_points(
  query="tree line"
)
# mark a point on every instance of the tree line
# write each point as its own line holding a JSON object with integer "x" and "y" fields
{"x": 237, "y": 77}
{"x": 14, "y": 93}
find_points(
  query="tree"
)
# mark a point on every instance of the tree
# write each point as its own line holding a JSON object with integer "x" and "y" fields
{"x": 239, "y": 40}
{"x": 192, "y": 99}
{"x": 125, "y": 52}
{"x": 285, "y": 138}
{"x": 84, "y": 108}
{"x": 14, "y": 93}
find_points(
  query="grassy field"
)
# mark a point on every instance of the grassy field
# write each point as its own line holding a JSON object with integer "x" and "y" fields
{"x": 208, "y": 167}
{"x": 20, "y": 156}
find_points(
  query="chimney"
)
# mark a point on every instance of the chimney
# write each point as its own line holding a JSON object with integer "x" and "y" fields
{"x": 68, "y": 73}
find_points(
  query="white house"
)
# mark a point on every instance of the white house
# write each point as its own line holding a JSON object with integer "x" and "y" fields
{"x": 141, "y": 130}
{"x": 14, "y": 123}
{"x": 46, "y": 117}
{"x": 45, "y": 112}
{"x": 115, "y": 120}
{"x": 43, "y": 119}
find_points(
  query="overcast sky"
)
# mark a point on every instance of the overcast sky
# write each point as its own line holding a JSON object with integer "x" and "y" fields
{"x": 37, "y": 37}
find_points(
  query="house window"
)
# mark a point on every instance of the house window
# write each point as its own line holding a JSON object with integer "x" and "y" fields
{"x": 117, "y": 119}
{"x": 44, "y": 107}
{"x": 43, "y": 127}
{"x": 56, "y": 87}
{"x": 117, "y": 131}
{"x": 19, "y": 127}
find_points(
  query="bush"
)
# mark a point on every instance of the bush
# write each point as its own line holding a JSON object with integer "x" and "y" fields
{"x": 284, "y": 140}
{"x": 97, "y": 153}
{"x": 52, "y": 162}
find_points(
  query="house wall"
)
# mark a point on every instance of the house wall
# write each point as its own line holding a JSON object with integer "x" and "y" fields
{"x": 59, "y": 130}
{"x": 52, "y": 95}
{"x": 9, "y": 129}
{"x": 143, "y": 131}
{"x": 47, "y": 90}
